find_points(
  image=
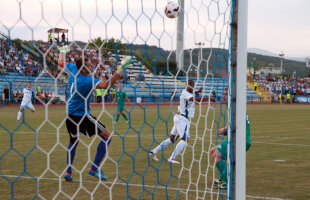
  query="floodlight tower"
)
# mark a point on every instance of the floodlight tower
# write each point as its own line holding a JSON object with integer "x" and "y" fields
{"x": 281, "y": 56}
{"x": 200, "y": 45}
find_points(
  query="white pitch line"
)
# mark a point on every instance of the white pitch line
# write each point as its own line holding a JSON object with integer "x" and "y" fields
{"x": 130, "y": 184}
{"x": 139, "y": 185}
{"x": 267, "y": 198}
{"x": 283, "y": 144}
{"x": 161, "y": 136}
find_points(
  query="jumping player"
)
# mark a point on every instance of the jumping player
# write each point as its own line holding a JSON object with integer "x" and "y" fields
{"x": 79, "y": 118}
{"x": 181, "y": 123}
{"x": 28, "y": 94}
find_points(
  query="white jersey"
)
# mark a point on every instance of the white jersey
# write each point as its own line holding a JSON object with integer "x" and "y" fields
{"x": 186, "y": 107}
{"x": 27, "y": 95}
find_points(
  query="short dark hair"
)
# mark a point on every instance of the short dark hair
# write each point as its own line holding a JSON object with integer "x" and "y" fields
{"x": 29, "y": 82}
{"x": 79, "y": 62}
{"x": 190, "y": 82}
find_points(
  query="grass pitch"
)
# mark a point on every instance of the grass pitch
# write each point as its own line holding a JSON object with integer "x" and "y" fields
{"x": 277, "y": 163}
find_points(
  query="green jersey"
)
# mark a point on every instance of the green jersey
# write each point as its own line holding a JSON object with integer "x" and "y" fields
{"x": 222, "y": 148}
{"x": 248, "y": 134}
{"x": 120, "y": 98}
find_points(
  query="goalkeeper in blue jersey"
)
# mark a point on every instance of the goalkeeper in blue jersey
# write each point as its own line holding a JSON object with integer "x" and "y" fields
{"x": 219, "y": 154}
{"x": 79, "y": 118}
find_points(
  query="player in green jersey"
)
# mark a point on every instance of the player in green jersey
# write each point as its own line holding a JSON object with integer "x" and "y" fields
{"x": 120, "y": 96}
{"x": 219, "y": 154}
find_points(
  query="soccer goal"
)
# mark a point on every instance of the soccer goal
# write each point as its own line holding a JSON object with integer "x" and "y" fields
{"x": 204, "y": 41}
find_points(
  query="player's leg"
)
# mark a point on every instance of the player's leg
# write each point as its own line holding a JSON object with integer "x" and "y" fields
{"x": 93, "y": 126}
{"x": 182, "y": 126}
{"x": 125, "y": 117}
{"x": 19, "y": 114}
{"x": 219, "y": 156}
{"x": 119, "y": 111}
{"x": 73, "y": 129}
{"x": 30, "y": 105}
{"x": 165, "y": 143}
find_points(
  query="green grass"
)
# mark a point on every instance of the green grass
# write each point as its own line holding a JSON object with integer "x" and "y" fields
{"x": 279, "y": 132}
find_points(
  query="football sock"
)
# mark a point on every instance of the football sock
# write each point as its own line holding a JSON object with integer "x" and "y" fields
{"x": 178, "y": 149}
{"x": 19, "y": 114}
{"x": 221, "y": 166}
{"x": 162, "y": 146}
{"x": 101, "y": 151}
{"x": 117, "y": 117}
{"x": 70, "y": 154}
{"x": 124, "y": 116}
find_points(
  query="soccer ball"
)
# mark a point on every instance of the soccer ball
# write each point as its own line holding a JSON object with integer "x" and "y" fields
{"x": 172, "y": 9}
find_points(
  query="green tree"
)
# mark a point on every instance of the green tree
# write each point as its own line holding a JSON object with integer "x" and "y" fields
{"x": 96, "y": 42}
{"x": 107, "y": 44}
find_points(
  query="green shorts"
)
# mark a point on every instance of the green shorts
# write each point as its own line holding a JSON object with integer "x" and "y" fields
{"x": 120, "y": 108}
{"x": 222, "y": 148}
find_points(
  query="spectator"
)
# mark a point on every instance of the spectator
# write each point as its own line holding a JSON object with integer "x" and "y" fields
{"x": 255, "y": 86}
{"x": 99, "y": 95}
{"x": 39, "y": 89}
{"x": 214, "y": 94}
{"x": 63, "y": 39}
{"x": 6, "y": 94}
{"x": 50, "y": 36}
{"x": 288, "y": 98}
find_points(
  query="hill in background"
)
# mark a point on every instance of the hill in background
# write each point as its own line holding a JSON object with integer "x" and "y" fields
{"x": 216, "y": 58}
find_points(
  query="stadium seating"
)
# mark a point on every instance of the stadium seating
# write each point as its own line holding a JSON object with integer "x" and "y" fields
{"x": 141, "y": 83}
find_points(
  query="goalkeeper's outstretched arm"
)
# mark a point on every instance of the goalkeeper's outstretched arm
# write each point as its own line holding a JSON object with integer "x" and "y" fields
{"x": 61, "y": 61}
{"x": 120, "y": 70}
{"x": 62, "y": 55}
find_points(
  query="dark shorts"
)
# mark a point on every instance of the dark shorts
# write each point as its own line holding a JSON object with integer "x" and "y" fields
{"x": 89, "y": 126}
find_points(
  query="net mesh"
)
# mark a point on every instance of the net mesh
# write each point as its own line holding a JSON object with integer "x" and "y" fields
{"x": 33, "y": 151}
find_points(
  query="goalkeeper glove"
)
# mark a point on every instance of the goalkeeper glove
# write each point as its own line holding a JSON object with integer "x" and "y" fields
{"x": 124, "y": 63}
{"x": 64, "y": 49}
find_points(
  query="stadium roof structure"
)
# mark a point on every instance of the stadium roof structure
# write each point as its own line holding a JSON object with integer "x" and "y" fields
{"x": 57, "y": 30}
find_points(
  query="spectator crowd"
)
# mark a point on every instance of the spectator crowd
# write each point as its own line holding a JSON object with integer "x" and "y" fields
{"x": 284, "y": 88}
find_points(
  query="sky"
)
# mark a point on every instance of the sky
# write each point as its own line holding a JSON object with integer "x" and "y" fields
{"x": 280, "y": 25}
{"x": 273, "y": 25}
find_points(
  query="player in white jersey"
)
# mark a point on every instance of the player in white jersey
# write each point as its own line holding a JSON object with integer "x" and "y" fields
{"x": 181, "y": 123}
{"x": 27, "y": 94}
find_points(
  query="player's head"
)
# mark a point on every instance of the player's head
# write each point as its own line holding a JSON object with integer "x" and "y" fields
{"x": 120, "y": 86}
{"x": 190, "y": 85}
{"x": 87, "y": 68}
{"x": 28, "y": 84}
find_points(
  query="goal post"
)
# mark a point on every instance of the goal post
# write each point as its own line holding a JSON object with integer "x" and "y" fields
{"x": 237, "y": 189}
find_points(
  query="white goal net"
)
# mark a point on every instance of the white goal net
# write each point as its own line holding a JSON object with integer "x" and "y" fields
{"x": 33, "y": 151}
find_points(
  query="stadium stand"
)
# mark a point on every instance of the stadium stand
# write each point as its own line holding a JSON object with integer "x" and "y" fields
{"x": 17, "y": 67}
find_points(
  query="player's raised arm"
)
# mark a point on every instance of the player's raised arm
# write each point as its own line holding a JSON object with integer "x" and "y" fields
{"x": 223, "y": 131}
{"x": 199, "y": 99}
{"x": 62, "y": 56}
{"x": 120, "y": 70}
{"x": 199, "y": 91}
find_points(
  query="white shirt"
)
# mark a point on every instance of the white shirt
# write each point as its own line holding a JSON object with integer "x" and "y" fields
{"x": 186, "y": 107}
{"x": 27, "y": 95}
